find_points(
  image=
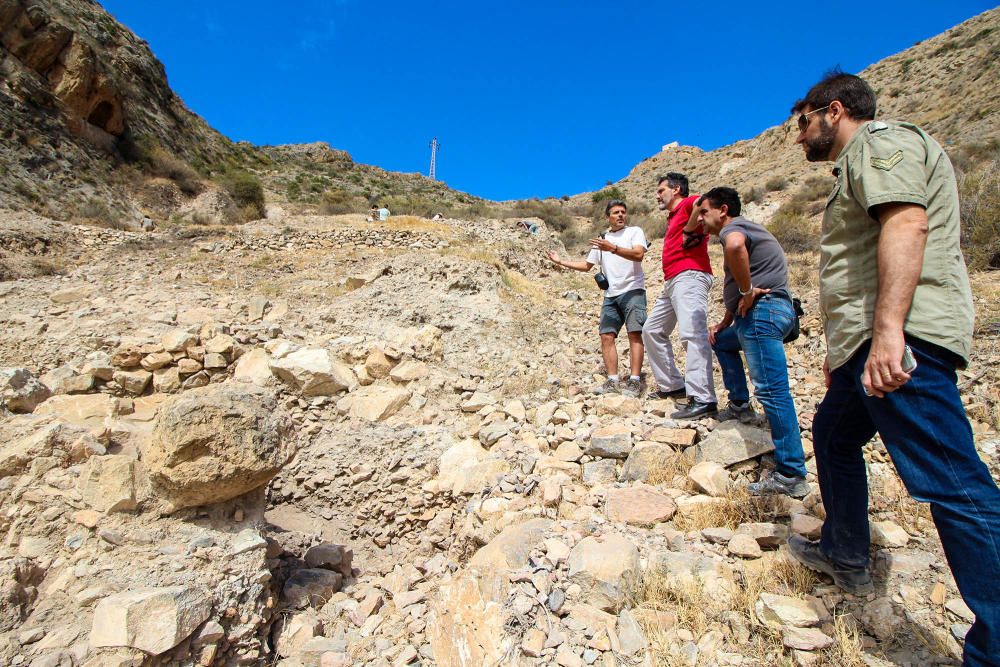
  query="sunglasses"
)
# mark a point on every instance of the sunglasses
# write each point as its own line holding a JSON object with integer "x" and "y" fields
{"x": 804, "y": 118}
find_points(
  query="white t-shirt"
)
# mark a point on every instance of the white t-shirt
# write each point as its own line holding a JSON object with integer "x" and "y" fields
{"x": 624, "y": 275}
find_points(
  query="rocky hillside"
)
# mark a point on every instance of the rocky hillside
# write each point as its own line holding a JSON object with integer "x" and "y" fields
{"x": 92, "y": 131}
{"x": 321, "y": 442}
{"x": 944, "y": 84}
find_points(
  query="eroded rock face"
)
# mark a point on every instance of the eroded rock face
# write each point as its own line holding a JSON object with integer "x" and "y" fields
{"x": 215, "y": 443}
{"x": 66, "y": 61}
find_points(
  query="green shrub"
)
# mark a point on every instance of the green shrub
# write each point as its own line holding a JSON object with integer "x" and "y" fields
{"x": 654, "y": 227}
{"x": 156, "y": 161}
{"x": 554, "y": 215}
{"x": 979, "y": 191}
{"x": 754, "y": 195}
{"x": 337, "y": 201}
{"x": 97, "y": 212}
{"x": 776, "y": 183}
{"x": 607, "y": 194}
{"x": 294, "y": 191}
{"x": 794, "y": 231}
{"x": 247, "y": 193}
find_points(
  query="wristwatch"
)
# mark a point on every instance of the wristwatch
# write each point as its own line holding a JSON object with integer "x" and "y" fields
{"x": 742, "y": 293}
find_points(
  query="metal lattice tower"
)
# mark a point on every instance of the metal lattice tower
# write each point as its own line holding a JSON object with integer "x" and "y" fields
{"x": 434, "y": 149}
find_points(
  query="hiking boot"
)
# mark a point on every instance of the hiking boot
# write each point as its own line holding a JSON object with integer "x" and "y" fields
{"x": 775, "y": 483}
{"x": 609, "y": 387}
{"x": 744, "y": 413}
{"x": 660, "y": 395}
{"x": 631, "y": 388}
{"x": 695, "y": 409}
{"x": 854, "y": 580}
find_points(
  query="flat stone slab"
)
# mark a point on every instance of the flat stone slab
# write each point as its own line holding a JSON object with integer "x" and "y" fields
{"x": 639, "y": 505}
{"x": 732, "y": 442}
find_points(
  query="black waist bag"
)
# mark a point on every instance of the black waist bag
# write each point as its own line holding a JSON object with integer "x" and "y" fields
{"x": 794, "y": 333}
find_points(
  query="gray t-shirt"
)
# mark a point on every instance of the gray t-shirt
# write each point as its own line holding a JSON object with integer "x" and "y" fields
{"x": 768, "y": 267}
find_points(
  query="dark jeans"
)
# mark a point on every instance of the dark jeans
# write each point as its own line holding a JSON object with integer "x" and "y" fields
{"x": 760, "y": 335}
{"x": 927, "y": 434}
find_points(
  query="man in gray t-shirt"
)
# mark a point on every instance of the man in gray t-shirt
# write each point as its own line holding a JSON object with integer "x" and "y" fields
{"x": 759, "y": 314}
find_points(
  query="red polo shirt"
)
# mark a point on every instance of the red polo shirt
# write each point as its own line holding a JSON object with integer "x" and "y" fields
{"x": 675, "y": 258}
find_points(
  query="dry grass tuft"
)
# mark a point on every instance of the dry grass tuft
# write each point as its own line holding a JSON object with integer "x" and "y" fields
{"x": 663, "y": 605}
{"x": 518, "y": 283}
{"x": 729, "y": 511}
{"x": 848, "y": 651}
{"x": 670, "y": 466}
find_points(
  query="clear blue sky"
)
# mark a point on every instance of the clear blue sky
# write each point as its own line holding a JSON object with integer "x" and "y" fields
{"x": 539, "y": 98}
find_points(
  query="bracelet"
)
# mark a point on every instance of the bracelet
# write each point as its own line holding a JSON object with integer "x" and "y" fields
{"x": 614, "y": 250}
{"x": 742, "y": 293}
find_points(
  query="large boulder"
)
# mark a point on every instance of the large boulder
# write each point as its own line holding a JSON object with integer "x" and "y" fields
{"x": 733, "y": 442}
{"x": 314, "y": 372}
{"x": 217, "y": 442}
{"x": 601, "y": 566}
{"x": 20, "y": 390}
{"x": 153, "y": 620}
{"x": 510, "y": 549}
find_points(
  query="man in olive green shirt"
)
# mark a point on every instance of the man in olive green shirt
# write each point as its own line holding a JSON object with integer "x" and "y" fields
{"x": 897, "y": 310}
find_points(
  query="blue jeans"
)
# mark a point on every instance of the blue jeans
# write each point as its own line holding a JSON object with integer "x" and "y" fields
{"x": 760, "y": 336}
{"x": 927, "y": 434}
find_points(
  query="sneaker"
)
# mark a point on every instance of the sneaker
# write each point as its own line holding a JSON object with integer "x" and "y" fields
{"x": 609, "y": 387}
{"x": 631, "y": 388}
{"x": 775, "y": 483}
{"x": 695, "y": 409}
{"x": 854, "y": 580}
{"x": 744, "y": 413}
{"x": 660, "y": 395}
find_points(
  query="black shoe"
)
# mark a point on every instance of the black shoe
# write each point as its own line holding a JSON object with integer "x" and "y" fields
{"x": 854, "y": 580}
{"x": 695, "y": 409}
{"x": 659, "y": 395}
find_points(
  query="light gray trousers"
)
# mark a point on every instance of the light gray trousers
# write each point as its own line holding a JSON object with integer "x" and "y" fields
{"x": 683, "y": 304}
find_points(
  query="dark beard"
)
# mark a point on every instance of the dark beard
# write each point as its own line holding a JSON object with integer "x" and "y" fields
{"x": 818, "y": 149}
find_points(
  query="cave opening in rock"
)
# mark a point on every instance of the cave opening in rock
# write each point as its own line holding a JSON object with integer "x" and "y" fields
{"x": 101, "y": 115}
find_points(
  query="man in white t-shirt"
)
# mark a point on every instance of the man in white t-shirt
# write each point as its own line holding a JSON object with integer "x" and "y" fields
{"x": 618, "y": 253}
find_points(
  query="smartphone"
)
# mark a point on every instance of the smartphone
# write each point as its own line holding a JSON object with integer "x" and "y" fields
{"x": 908, "y": 364}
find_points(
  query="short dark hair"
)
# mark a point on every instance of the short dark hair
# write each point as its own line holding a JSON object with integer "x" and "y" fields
{"x": 676, "y": 180}
{"x": 719, "y": 196}
{"x": 852, "y": 91}
{"x": 612, "y": 204}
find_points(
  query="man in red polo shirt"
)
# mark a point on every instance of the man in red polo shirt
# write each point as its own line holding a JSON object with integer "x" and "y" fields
{"x": 687, "y": 275}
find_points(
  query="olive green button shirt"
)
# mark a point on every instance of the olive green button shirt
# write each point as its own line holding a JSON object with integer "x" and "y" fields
{"x": 885, "y": 162}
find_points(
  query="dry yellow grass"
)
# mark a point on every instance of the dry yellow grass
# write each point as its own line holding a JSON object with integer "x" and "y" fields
{"x": 729, "y": 511}
{"x": 847, "y": 651}
{"x": 663, "y": 607}
{"x": 666, "y": 467}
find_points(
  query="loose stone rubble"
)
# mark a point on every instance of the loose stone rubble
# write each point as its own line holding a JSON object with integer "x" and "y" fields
{"x": 263, "y": 447}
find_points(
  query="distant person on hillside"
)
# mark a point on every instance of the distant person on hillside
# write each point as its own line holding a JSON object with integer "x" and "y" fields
{"x": 898, "y": 316}
{"x": 527, "y": 227}
{"x": 759, "y": 316}
{"x": 373, "y": 213}
{"x": 687, "y": 275}
{"x": 383, "y": 213}
{"x": 147, "y": 224}
{"x": 618, "y": 253}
